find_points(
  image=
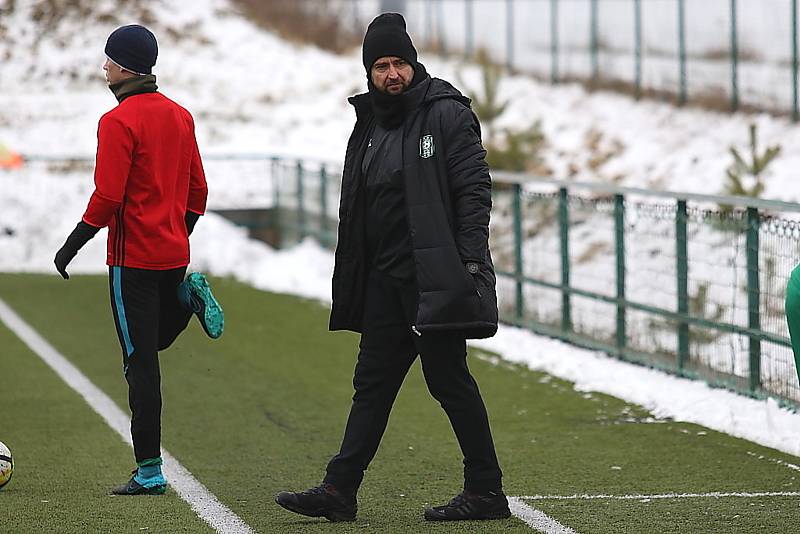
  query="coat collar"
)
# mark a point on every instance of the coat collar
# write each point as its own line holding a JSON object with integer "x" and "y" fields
{"x": 413, "y": 98}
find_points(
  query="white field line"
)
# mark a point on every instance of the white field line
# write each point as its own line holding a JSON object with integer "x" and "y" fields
{"x": 793, "y": 467}
{"x": 712, "y": 495}
{"x": 536, "y": 519}
{"x": 202, "y": 501}
{"x": 545, "y": 524}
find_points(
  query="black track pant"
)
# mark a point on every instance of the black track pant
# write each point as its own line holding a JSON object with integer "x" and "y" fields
{"x": 148, "y": 317}
{"x": 387, "y": 350}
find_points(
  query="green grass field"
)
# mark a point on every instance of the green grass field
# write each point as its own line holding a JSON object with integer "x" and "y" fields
{"x": 263, "y": 409}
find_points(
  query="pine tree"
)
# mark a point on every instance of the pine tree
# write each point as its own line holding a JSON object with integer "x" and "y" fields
{"x": 740, "y": 172}
{"x": 486, "y": 105}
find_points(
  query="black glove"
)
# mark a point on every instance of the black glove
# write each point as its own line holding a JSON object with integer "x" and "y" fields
{"x": 79, "y": 237}
{"x": 191, "y": 219}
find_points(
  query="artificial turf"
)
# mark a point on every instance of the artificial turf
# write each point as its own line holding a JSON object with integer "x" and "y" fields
{"x": 66, "y": 459}
{"x": 263, "y": 409}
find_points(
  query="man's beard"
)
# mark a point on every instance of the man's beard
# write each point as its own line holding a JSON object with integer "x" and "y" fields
{"x": 390, "y": 109}
{"x": 403, "y": 87}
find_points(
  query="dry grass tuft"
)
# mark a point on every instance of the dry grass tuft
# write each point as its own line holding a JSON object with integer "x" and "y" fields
{"x": 322, "y": 23}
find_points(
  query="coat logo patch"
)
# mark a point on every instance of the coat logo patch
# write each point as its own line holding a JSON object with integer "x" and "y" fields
{"x": 426, "y": 148}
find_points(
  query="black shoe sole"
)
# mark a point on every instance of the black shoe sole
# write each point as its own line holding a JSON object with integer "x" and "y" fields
{"x": 334, "y": 516}
{"x": 433, "y": 516}
{"x": 157, "y": 490}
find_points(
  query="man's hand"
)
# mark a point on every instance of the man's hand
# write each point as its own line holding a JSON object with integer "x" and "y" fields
{"x": 80, "y": 236}
{"x": 63, "y": 257}
{"x": 191, "y": 219}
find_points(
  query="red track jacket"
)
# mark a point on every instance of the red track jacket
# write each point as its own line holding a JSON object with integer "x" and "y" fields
{"x": 148, "y": 174}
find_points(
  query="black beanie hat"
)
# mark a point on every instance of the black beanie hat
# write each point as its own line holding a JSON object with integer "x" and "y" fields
{"x": 133, "y": 47}
{"x": 386, "y": 36}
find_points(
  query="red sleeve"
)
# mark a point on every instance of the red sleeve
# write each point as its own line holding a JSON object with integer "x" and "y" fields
{"x": 114, "y": 153}
{"x": 198, "y": 190}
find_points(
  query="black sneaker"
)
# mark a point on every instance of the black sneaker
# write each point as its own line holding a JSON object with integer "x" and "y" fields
{"x": 323, "y": 501}
{"x": 134, "y": 488}
{"x": 466, "y": 505}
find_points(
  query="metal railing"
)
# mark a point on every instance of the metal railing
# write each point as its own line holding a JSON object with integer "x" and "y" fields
{"x": 740, "y": 52}
{"x": 691, "y": 284}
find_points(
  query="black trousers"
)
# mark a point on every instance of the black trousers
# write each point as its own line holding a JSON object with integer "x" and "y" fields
{"x": 388, "y": 348}
{"x": 148, "y": 317}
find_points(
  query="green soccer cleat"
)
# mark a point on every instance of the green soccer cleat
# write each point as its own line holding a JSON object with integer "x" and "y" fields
{"x": 196, "y": 294}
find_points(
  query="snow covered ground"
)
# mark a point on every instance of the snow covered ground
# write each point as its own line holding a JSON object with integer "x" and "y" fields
{"x": 253, "y": 93}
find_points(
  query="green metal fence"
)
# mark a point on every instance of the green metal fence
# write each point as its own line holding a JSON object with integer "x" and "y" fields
{"x": 305, "y": 199}
{"x": 686, "y": 283}
{"x": 691, "y": 284}
{"x": 743, "y": 52}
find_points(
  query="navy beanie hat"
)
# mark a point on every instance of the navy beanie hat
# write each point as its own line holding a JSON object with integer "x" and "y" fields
{"x": 386, "y": 36}
{"x": 133, "y": 47}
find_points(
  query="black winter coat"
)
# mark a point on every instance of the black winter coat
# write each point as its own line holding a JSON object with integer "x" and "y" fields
{"x": 448, "y": 198}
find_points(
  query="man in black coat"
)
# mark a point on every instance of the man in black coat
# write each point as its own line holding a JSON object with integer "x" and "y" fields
{"x": 413, "y": 272}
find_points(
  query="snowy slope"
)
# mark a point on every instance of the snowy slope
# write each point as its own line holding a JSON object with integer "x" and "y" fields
{"x": 252, "y": 92}
{"x": 248, "y": 90}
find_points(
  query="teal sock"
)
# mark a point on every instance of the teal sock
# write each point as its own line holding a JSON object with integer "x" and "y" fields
{"x": 149, "y": 473}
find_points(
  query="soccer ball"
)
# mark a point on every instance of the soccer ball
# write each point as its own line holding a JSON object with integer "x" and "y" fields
{"x": 6, "y": 465}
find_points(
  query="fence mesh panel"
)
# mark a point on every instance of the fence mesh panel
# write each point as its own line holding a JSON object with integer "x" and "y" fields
{"x": 650, "y": 278}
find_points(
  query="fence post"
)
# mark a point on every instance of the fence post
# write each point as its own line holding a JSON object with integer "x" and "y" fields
{"x": 753, "y": 296}
{"x": 734, "y": 60}
{"x": 441, "y": 36}
{"x": 323, "y": 204}
{"x": 357, "y": 17}
{"x": 276, "y": 200}
{"x": 276, "y": 184}
{"x": 554, "y": 41}
{"x": 429, "y": 22}
{"x": 619, "y": 231}
{"x": 682, "y": 268}
{"x": 795, "y": 110}
{"x": 301, "y": 213}
{"x": 468, "y": 29}
{"x": 637, "y": 8}
{"x": 563, "y": 219}
{"x": 510, "y": 34}
{"x": 593, "y": 38}
{"x": 682, "y": 52}
{"x": 519, "y": 272}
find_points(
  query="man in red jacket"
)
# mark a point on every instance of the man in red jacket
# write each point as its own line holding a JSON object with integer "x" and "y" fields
{"x": 150, "y": 190}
